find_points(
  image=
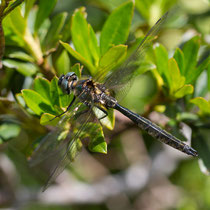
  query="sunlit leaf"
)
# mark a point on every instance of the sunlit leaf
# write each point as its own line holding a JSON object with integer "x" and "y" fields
{"x": 27, "y": 69}
{"x": 36, "y": 102}
{"x": 203, "y": 104}
{"x": 20, "y": 24}
{"x": 198, "y": 70}
{"x": 62, "y": 63}
{"x": 48, "y": 119}
{"x": 161, "y": 60}
{"x": 77, "y": 69}
{"x": 21, "y": 101}
{"x": 97, "y": 142}
{"x": 112, "y": 58}
{"x": 42, "y": 86}
{"x": 108, "y": 121}
{"x": 54, "y": 95}
{"x": 190, "y": 51}
{"x": 176, "y": 81}
{"x": 20, "y": 55}
{"x": 179, "y": 57}
{"x": 79, "y": 57}
{"x": 80, "y": 34}
{"x": 93, "y": 45}
{"x": 185, "y": 90}
{"x": 116, "y": 28}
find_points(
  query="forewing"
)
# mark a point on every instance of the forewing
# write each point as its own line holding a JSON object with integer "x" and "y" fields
{"x": 122, "y": 76}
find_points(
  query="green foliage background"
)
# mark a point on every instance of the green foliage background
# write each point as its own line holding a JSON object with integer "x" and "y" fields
{"x": 172, "y": 88}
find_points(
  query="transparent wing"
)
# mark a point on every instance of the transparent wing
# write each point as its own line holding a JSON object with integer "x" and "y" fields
{"x": 123, "y": 75}
{"x": 47, "y": 147}
{"x": 70, "y": 151}
{"x": 50, "y": 144}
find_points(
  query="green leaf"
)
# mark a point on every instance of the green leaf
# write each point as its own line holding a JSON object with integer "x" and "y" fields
{"x": 66, "y": 31}
{"x": 17, "y": 22}
{"x": 176, "y": 81}
{"x": 161, "y": 60}
{"x": 108, "y": 121}
{"x": 179, "y": 57}
{"x": 42, "y": 86}
{"x": 28, "y": 6}
{"x": 21, "y": 56}
{"x": 93, "y": 45}
{"x": 185, "y": 90}
{"x": 64, "y": 99}
{"x": 80, "y": 34}
{"x": 77, "y": 69}
{"x": 79, "y": 57}
{"x": 190, "y": 51}
{"x": 116, "y": 28}
{"x": 45, "y": 8}
{"x": 75, "y": 148}
{"x": 21, "y": 101}
{"x": 95, "y": 133}
{"x": 112, "y": 58}
{"x": 83, "y": 37}
{"x": 58, "y": 98}
{"x": 47, "y": 119}
{"x": 203, "y": 104}
{"x": 8, "y": 131}
{"x": 196, "y": 73}
{"x": 62, "y": 63}
{"x": 54, "y": 93}
{"x": 144, "y": 67}
{"x": 53, "y": 33}
{"x": 12, "y": 38}
{"x": 27, "y": 69}
{"x": 36, "y": 102}
{"x": 19, "y": 27}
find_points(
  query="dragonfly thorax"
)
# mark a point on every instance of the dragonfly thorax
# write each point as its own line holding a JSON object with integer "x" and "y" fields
{"x": 88, "y": 91}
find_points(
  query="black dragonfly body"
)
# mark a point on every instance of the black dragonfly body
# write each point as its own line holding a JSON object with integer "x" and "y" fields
{"x": 98, "y": 93}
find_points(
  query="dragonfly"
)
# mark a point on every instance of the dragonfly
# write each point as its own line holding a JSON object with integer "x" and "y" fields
{"x": 99, "y": 93}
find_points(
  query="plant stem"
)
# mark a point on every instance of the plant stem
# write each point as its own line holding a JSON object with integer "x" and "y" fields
{"x": 2, "y": 43}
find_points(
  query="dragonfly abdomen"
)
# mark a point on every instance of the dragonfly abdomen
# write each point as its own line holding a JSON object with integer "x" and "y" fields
{"x": 155, "y": 131}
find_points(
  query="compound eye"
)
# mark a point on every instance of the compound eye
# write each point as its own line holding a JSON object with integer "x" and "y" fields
{"x": 60, "y": 79}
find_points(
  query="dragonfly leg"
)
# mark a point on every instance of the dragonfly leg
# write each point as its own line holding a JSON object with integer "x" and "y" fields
{"x": 69, "y": 106}
{"x": 103, "y": 110}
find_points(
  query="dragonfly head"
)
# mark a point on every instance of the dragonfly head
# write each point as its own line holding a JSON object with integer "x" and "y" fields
{"x": 66, "y": 82}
